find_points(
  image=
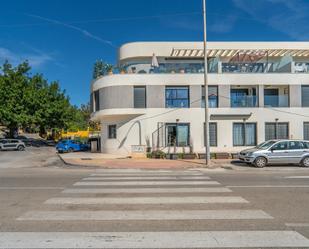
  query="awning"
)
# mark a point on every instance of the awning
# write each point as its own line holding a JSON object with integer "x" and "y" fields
{"x": 199, "y": 53}
{"x": 230, "y": 116}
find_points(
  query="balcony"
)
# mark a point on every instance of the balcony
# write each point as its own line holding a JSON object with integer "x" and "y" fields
{"x": 244, "y": 96}
{"x": 244, "y": 101}
{"x": 276, "y": 101}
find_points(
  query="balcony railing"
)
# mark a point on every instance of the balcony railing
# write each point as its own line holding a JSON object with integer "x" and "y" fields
{"x": 243, "y": 101}
{"x": 276, "y": 100}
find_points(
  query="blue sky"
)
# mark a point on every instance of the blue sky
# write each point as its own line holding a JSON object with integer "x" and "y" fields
{"x": 63, "y": 38}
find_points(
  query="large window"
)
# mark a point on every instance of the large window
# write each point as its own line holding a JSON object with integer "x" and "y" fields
{"x": 212, "y": 134}
{"x": 139, "y": 97}
{"x": 244, "y": 134}
{"x": 276, "y": 131}
{"x": 112, "y": 131}
{"x": 177, "y": 134}
{"x": 212, "y": 96}
{"x": 306, "y": 130}
{"x": 176, "y": 97}
{"x": 305, "y": 96}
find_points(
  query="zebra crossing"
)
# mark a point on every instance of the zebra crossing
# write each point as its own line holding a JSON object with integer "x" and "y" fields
{"x": 145, "y": 196}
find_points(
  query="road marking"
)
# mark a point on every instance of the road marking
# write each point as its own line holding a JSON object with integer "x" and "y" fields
{"x": 146, "y": 178}
{"x": 147, "y": 215}
{"x": 297, "y": 224}
{"x": 144, "y": 190}
{"x": 32, "y": 188}
{"x": 154, "y": 173}
{"x": 296, "y": 177}
{"x": 151, "y": 183}
{"x": 269, "y": 186}
{"x": 147, "y": 200}
{"x": 138, "y": 240}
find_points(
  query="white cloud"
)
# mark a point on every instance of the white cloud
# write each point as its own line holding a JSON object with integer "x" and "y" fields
{"x": 289, "y": 17}
{"x": 35, "y": 60}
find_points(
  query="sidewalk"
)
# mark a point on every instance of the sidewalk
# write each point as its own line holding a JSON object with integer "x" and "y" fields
{"x": 87, "y": 159}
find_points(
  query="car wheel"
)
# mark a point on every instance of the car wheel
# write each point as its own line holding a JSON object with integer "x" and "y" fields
{"x": 20, "y": 148}
{"x": 70, "y": 150}
{"x": 305, "y": 162}
{"x": 260, "y": 162}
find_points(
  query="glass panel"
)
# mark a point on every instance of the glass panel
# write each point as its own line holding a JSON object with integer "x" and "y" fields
{"x": 295, "y": 145}
{"x": 305, "y": 96}
{"x": 182, "y": 135}
{"x": 171, "y": 135}
{"x": 306, "y": 130}
{"x": 270, "y": 131}
{"x": 238, "y": 132}
{"x": 250, "y": 134}
{"x": 140, "y": 97}
{"x": 280, "y": 146}
{"x": 283, "y": 131}
{"x": 177, "y": 97}
{"x": 213, "y": 134}
{"x": 212, "y": 97}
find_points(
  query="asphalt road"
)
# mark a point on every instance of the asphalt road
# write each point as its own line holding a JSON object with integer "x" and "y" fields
{"x": 57, "y": 207}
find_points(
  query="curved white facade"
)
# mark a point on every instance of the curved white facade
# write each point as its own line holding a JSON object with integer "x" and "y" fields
{"x": 245, "y": 102}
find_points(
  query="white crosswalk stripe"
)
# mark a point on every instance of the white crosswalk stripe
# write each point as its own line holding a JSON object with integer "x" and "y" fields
{"x": 138, "y": 240}
{"x": 130, "y": 188}
{"x": 104, "y": 178}
{"x": 145, "y": 190}
{"x": 147, "y": 183}
{"x": 147, "y": 215}
{"x": 147, "y": 200}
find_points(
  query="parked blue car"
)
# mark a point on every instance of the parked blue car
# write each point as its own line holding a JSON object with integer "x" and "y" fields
{"x": 70, "y": 146}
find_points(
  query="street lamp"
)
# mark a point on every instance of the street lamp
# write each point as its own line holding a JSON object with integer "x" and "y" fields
{"x": 206, "y": 133}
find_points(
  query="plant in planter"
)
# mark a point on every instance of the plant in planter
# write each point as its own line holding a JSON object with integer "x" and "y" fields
{"x": 122, "y": 69}
{"x": 108, "y": 69}
{"x": 158, "y": 154}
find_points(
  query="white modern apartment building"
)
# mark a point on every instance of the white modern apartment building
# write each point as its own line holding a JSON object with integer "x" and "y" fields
{"x": 257, "y": 91}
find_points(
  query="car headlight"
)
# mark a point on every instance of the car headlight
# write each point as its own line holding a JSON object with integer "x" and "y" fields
{"x": 249, "y": 154}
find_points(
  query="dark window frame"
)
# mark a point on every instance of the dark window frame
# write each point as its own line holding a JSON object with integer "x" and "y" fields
{"x": 304, "y": 131}
{"x": 276, "y": 131}
{"x": 216, "y": 134}
{"x": 302, "y": 96}
{"x": 112, "y": 131}
{"x": 177, "y": 99}
{"x": 96, "y": 97}
{"x": 177, "y": 142}
{"x": 244, "y": 144}
{"x": 145, "y": 97}
{"x": 209, "y": 96}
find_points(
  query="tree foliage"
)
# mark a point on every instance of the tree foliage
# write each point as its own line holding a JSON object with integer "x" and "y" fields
{"x": 31, "y": 102}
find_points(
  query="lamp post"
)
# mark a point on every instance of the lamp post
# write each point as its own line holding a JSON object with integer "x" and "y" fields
{"x": 206, "y": 133}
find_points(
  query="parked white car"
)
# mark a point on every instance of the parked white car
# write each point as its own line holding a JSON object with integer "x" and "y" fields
{"x": 12, "y": 144}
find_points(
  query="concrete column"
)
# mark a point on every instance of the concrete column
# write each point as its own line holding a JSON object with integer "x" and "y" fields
{"x": 224, "y": 96}
{"x": 195, "y": 96}
{"x": 295, "y": 95}
{"x": 261, "y": 95}
{"x": 155, "y": 96}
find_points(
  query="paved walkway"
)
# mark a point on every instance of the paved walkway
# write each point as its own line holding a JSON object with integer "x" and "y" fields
{"x": 120, "y": 161}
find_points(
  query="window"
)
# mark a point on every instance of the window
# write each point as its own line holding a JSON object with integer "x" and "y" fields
{"x": 276, "y": 131}
{"x": 305, "y": 96}
{"x": 96, "y": 100}
{"x": 244, "y": 134}
{"x": 177, "y": 97}
{"x": 306, "y": 130}
{"x": 280, "y": 146}
{"x": 212, "y": 134}
{"x": 177, "y": 134}
{"x": 296, "y": 145}
{"x": 212, "y": 96}
{"x": 112, "y": 131}
{"x": 271, "y": 97}
{"x": 139, "y": 97}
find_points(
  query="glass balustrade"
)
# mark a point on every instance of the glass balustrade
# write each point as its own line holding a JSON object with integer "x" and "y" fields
{"x": 276, "y": 100}
{"x": 244, "y": 101}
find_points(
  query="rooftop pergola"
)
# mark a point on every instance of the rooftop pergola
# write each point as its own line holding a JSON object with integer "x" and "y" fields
{"x": 236, "y": 53}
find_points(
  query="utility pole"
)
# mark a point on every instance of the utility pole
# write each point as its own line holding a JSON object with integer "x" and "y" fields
{"x": 206, "y": 130}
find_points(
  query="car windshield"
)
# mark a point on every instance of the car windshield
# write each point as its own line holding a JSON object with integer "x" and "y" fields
{"x": 266, "y": 145}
